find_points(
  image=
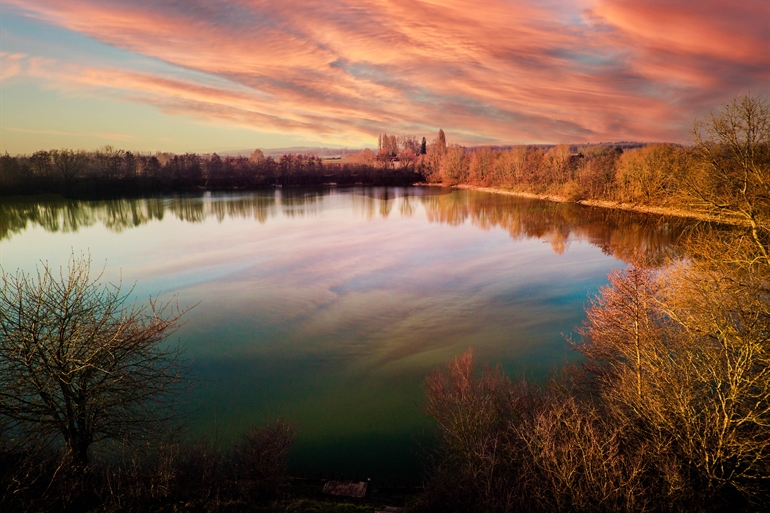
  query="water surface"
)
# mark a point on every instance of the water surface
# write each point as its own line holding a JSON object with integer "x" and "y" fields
{"x": 329, "y": 307}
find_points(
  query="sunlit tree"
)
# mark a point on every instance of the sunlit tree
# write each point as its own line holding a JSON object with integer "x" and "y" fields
{"x": 441, "y": 141}
{"x": 257, "y": 157}
{"x": 454, "y": 165}
{"x": 481, "y": 166}
{"x": 733, "y": 152}
{"x": 652, "y": 173}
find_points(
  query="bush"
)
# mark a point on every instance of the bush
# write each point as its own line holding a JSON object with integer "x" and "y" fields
{"x": 508, "y": 446}
{"x": 261, "y": 457}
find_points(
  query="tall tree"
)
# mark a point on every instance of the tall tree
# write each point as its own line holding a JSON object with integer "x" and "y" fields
{"x": 733, "y": 148}
{"x": 257, "y": 157}
{"x": 441, "y": 141}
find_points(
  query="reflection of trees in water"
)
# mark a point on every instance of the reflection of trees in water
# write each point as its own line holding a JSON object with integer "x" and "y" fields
{"x": 196, "y": 209}
{"x": 371, "y": 201}
{"x": 59, "y": 215}
{"x": 122, "y": 214}
{"x": 56, "y": 214}
{"x": 365, "y": 204}
{"x": 449, "y": 209}
{"x": 624, "y": 235}
{"x": 188, "y": 209}
{"x": 259, "y": 208}
{"x": 299, "y": 203}
{"x": 406, "y": 207}
{"x": 380, "y": 201}
{"x": 386, "y": 202}
{"x": 14, "y": 217}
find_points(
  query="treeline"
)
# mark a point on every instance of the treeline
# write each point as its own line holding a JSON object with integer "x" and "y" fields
{"x": 657, "y": 174}
{"x": 652, "y": 174}
{"x": 114, "y": 172}
{"x": 669, "y": 409}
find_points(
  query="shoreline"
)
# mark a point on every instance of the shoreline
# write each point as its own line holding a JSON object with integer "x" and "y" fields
{"x": 607, "y": 204}
{"x": 615, "y": 205}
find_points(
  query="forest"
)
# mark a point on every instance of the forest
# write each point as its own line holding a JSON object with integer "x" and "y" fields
{"x": 110, "y": 172}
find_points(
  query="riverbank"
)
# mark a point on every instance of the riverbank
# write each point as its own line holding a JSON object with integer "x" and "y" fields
{"x": 616, "y": 205}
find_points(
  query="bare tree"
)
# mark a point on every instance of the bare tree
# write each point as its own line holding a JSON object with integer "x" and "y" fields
{"x": 509, "y": 446}
{"x": 682, "y": 362}
{"x": 620, "y": 325}
{"x": 78, "y": 364}
{"x": 481, "y": 166}
{"x": 652, "y": 173}
{"x": 257, "y": 157}
{"x": 69, "y": 164}
{"x": 472, "y": 415}
{"x": 733, "y": 147}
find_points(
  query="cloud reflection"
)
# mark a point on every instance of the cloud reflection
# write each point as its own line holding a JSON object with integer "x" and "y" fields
{"x": 317, "y": 307}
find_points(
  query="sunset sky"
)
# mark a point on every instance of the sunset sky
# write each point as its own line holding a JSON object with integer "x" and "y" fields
{"x": 206, "y": 75}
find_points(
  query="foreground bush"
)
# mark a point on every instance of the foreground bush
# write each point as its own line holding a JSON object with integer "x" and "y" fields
{"x": 510, "y": 446}
{"x": 669, "y": 412}
{"x": 156, "y": 477}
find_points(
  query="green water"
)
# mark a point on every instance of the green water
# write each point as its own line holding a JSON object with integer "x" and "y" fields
{"x": 329, "y": 307}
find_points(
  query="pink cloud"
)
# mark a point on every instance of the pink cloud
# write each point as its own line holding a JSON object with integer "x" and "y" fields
{"x": 11, "y": 64}
{"x": 498, "y": 71}
{"x": 724, "y": 30}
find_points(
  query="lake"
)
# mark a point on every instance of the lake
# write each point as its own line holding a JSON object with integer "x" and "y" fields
{"x": 329, "y": 307}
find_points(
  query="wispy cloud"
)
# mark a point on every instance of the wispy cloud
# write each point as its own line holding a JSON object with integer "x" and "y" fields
{"x": 99, "y": 135}
{"x": 499, "y": 71}
{"x": 10, "y": 64}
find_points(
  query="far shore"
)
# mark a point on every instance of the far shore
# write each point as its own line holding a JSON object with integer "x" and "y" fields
{"x": 617, "y": 205}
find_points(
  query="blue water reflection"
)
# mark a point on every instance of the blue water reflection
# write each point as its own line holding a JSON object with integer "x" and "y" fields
{"x": 329, "y": 307}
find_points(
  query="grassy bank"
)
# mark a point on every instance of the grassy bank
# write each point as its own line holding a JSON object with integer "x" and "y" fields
{"x": 616, "y": 205}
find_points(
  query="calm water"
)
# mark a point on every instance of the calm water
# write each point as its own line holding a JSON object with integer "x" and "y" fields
{"x": 329, "y": 308}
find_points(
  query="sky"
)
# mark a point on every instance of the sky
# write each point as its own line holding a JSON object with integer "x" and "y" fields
{"x": 217, "y": 75}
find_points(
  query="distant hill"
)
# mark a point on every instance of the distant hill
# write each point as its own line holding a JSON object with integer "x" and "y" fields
{"x": 304, "y": 150}
{"x": 623, "y": 145}
{"x": 341, "y": 152}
